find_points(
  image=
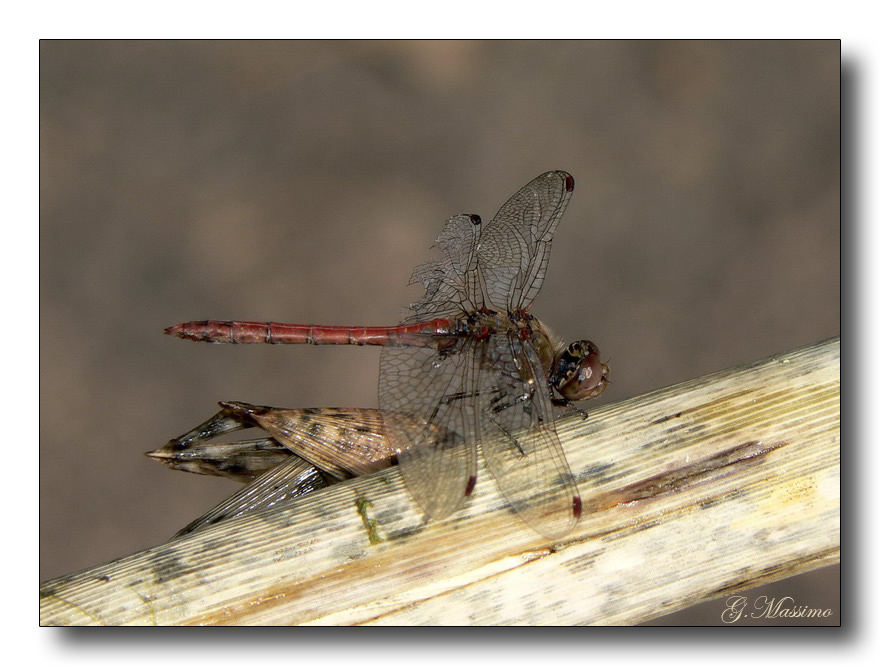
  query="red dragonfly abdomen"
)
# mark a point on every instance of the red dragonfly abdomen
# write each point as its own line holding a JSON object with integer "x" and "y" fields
{"x": 422, "y": 334}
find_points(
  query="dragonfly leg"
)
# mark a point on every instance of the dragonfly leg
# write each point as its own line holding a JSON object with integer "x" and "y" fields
{"x": 496, "y": 407}
{"x": 461, "y": 395}
{"x": 570, "y": 406}
{"x": 490, "y": 416}
{"x": 507, "y": 405}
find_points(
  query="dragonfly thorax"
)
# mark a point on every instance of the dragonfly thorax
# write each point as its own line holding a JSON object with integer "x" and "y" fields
{"x": 484, "y": 322}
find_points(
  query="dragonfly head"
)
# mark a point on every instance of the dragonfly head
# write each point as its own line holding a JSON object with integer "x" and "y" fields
{"x": 579, "y": 373}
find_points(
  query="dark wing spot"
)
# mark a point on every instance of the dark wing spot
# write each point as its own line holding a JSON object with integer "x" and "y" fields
{"x": 576, "y": 506}
{"x": 472, "y": 481}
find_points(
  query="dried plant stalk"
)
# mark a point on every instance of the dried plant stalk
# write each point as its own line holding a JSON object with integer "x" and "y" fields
{"x": 691, "y": 492}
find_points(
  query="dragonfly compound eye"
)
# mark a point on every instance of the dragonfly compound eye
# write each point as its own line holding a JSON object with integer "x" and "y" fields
{"x": 580, "y": 373}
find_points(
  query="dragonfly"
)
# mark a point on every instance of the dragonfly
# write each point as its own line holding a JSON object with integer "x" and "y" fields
{"x": 469, "y": 367}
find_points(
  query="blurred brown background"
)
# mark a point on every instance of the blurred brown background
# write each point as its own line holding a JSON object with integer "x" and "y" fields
{"x": 302, "y": 181}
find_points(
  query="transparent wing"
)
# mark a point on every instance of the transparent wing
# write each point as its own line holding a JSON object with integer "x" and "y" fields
{"x": 437, "y": 397}
{"x": 519, "y": 440}
{"x": 289, "y": 480}
{"x": 514, "y": 247}
{"x": 427, "y": 398}
{"x": 451, "y": 282}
